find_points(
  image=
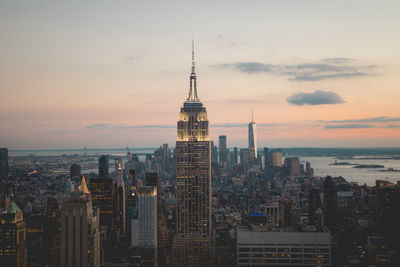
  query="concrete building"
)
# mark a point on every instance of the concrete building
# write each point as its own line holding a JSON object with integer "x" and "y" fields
{"x": 288, "y": 246}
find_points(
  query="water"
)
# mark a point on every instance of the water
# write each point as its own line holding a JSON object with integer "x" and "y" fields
{"x": 362, "y": 176}
{"x": 89, "y": 151}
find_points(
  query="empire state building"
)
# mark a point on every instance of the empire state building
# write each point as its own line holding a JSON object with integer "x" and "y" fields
{"x": 193, "y": 243}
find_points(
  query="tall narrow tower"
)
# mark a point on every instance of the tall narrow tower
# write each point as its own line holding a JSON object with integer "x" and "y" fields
{"x": 252, "y": 138}
{"x": 193, "y": 244}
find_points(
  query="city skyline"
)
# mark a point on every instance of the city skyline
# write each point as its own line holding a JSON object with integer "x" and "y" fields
{"x": 328, "y": 82}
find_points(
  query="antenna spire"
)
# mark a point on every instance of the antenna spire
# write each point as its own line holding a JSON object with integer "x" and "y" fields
{"x": 193, "y": 88}
{"x": 193, "y": 63}
{"x": 252, "y": 118}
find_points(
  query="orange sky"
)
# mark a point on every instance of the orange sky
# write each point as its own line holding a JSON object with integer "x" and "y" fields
{"x": 97, "y": 74}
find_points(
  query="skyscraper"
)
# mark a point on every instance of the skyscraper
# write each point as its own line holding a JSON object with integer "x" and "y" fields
{"x": 103, "y": 166}
{"x": 13, "y": 237}
{"x": 80, "y": 237}
{"x": 252, "y": 138}
{"x": 75, "y": 170}
{"x": 223, "y": 151}
{"x": 193, "y": 242}
{"x": 3, "y": 162}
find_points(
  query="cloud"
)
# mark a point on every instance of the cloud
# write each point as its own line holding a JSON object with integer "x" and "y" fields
{"x": 316, "y": 98}
{"x": 99, "y": 126}
{"x": 236, "y": 125}
{"x": 349, "y": 126}
{"x": 160, "y": 126}
{"x": 145, "y": 126}
{"x": 337, "y": 60}
{"x": 374, "y": 119}
{"x": 249, "y": 67}
{"x": 328, "y": 68}
{"x": 393, "y": 126}
{"x": 129, "y": 58}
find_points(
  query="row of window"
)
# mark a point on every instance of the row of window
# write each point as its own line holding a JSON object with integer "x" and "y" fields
{"x": 269, "y": 249}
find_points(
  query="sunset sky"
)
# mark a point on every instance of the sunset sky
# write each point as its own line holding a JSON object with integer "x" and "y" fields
{"x": 115, "y": 73}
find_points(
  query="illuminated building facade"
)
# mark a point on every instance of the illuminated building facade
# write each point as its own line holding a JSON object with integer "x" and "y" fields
{"x": 193, "y": 244}
{"x": 13, "y": 237}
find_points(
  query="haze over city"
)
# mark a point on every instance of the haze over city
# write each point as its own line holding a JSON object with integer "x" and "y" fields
{"x": 107, "y": 74}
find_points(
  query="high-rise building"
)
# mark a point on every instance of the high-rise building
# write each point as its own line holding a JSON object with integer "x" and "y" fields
{"x": 223, "y": 151}
{"x": 80, "y": 237}
{"x": 3, "y": 162}
{"x": 147, "y": 216}
{"x": 330, "y": 204}
{"x": 103, "y": 166}
{"x": 252, "y": 138}
{"x": 13, "y": 237}
{"x": 102, "y": 196}
{"x": 193, "y": 243}
{"x": 276, "y": 157}
{"x": 292, "y": 166}
{"x": 121, "y": 201}
{"x": 151, "y": 179}
{"x": 314, "y": 203}
{"x": 75, "y": 170}
{"x": 214, "y": 153}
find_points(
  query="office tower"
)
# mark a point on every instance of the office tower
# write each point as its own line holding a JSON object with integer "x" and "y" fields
{"x": 147, "y": 216}
{"x": 151, "y": 179}
{"x": 244, "y": 156}
{"x": 314, "y": 203}
{"x": 276, "y": 157}
{"x": 103, "y": 166}
{"x": 235, "y": 156}
{"x": 166, "y": 157}
{"x": 309, "y": 170}
{"x": 193, "y": 243}
{"x": 131, "y": 214}
{"x": 85, "y": 151}
{"x": 214, "y": 153}
{"x": 252, "y": 139}
{"x": 292, "y": 166}
{"x": 121, "y": 201}
{"x": 3, "y": 162}
{"x": 132, "y": 177}
{"x": 102, "y": 196}
{"x": 80, "y": 237}
{"x": 75, "y": 171}
{"x": 13, "y": 237}
{"x": 288, "y": 246}
{"x": 330, "y": 204}
{"x": 223, "y": 151}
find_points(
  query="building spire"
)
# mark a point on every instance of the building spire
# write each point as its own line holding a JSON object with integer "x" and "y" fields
{"x": 193, "y": 88}
{"x": 252, "y": 117}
